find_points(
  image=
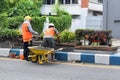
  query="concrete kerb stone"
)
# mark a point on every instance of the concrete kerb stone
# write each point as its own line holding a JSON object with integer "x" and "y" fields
{"x": 109, "y": 59}
{"x": 102, "y": 58}
{"x": 4, "y": 52}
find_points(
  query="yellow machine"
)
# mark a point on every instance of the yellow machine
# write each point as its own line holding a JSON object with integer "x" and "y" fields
{"x": 39, "y": 54}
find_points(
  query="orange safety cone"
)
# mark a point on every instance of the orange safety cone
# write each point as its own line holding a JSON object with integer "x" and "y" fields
{"x": 21, "y": 56}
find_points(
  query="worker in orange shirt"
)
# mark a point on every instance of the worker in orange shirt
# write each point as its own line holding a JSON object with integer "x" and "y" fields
{"x": 27, "y": 32}
{"x": 49, "y": 34}
{"x": 48, "y": 39}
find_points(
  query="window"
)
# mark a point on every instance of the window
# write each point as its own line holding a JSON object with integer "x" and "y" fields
{"x": 67, "y": 1}
{"x": 100, "y": 1}
{"x": 75, "y": 16}
{"x": 52, "y": 1}
{"x": 61, "y": 1}
{"x": 96, "y": 13}
{"x": 49, "y": 2}
{"x": 74, "y": 1}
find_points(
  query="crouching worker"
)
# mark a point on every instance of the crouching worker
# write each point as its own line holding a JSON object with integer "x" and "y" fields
{"x": 48, "y": 39}
{"x": 27, "y": 32}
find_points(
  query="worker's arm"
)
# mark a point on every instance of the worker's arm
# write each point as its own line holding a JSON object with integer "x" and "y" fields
{"x": 31, "y": 30}
{"x": 57, "y": 34}
{"x": 58, "y": 37}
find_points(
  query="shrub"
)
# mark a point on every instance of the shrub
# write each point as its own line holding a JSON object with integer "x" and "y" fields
{"x": 38, "y": 23}
{"x": 3, "y": 20}
{"x": 67, "y": 36}
{"x": 9, "y": 34}
{"x": 25, "y": 7}
{"x": 100, "y": 37}
{"x": 61, "y": 22}
{"x": 14, "y": 22}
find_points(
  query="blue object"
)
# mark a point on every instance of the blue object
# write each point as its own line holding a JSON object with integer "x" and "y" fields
{"x": 115, "y": 60}
{"x": 62, "y": 56}
{"x": 16, "y": 51}
{"x": 88, "y": 58}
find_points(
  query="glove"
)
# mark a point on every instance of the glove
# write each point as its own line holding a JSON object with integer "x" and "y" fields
{"x": 36, "y": 33}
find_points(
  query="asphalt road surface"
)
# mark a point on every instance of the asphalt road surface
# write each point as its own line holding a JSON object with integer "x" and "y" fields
{"x": 11, "y": 69}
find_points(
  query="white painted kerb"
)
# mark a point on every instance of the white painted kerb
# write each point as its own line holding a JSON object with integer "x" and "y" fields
{"x": 4, "y": 52}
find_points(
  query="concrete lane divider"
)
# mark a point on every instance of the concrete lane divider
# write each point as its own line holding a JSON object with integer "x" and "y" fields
{"x": 4, "y": 52}
{"x": 108, "y": 59}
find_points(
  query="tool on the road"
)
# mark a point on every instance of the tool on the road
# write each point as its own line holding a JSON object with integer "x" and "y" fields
{"x": 40, "y": 54}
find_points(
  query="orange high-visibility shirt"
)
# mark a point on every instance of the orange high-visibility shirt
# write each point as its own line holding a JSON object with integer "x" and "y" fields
{"x": 50, "y": 32}
{"x": 27, "y": 35}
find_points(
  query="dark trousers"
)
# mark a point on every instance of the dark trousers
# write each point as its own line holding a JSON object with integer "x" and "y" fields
{"x": 26, "y": 50}
{"x": 49, "y": 42}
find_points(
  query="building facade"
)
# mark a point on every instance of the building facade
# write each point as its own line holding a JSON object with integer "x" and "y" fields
{"x": 111, "y": 17}
{"x": 84, "y": 12}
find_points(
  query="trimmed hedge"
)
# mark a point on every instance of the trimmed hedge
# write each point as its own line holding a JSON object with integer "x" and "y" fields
{"x": 67, "y": 36}
{"x": 61, "y": 22}
{"x": 3, "y": 20}
{"x": 14, "y": 22}
{"x": 9, "y": 34}
{"x": 94, "y": 37}
{"x": 38, "y": 23}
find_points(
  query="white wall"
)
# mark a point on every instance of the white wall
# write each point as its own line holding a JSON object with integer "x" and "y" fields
{"x": 73, "y": 9}
{"x": 75, "y": 24}
{"x": 81, "y": 22}
{"x": 94, "y": 22}
{"x": 95, "y": 7}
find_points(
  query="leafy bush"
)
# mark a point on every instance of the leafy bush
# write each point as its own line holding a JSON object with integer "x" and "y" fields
{"x": 38, "y": 2}
{"x": 80, "y": 33}
{"x": 25, "y": 7}
{"x": 38, "y": 23}
{"x": 9, "y": 34}
{"x": 20, "y": 7}
{"x": 99, "y": 37}
{"x": 3, "y": 20}
{"x": 61, "y": 22}
{"x": 67, "y": 36}
{"x": 14, "y": 22}
{"x": 3, "y": 5}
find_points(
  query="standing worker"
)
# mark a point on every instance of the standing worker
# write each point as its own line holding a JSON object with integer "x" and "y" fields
{"x": 48, "y": 39}
{"x": 27, "y": 32}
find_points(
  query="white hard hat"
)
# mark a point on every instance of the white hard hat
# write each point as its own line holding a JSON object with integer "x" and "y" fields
{"x": 51, "y": 24}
